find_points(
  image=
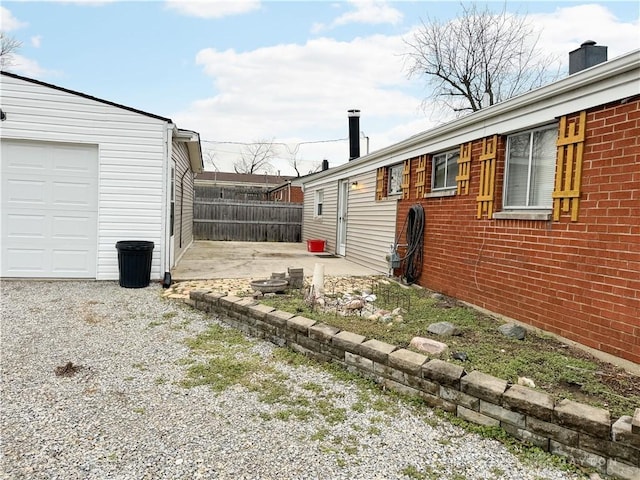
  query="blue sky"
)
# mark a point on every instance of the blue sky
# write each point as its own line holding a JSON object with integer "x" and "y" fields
{"x": 242, "y": 71}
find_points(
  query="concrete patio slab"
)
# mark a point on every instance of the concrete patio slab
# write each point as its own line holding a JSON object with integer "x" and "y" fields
{"x": 208, "y": 260}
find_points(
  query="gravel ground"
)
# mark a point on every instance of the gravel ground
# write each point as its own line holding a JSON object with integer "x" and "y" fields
{"x": 125, "y": 415}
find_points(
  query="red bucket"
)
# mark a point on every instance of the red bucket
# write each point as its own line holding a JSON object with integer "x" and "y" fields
{"x": 315, "y": 245}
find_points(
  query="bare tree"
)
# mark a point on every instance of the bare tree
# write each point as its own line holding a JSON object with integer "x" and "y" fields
{"x": 479, "y": 58}
{"x": 209, "y": 157}
{"x": 256, "y": 156}
{"x": 316, "y": 167}
{"x": 8, "y": 47}
{"x": 293, "y": 162}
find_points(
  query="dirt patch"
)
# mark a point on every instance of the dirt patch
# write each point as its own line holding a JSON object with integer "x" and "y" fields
{"x": 67, "y": 370}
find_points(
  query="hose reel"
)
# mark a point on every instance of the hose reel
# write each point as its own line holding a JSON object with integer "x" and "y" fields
{"x": 411, "y": 263}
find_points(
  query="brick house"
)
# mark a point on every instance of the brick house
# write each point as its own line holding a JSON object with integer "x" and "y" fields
{"x": 289, "y": 191}
{"x": 529, "y": 209}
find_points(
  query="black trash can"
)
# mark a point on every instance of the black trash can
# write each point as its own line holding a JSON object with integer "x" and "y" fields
{"x": 134, "y": 263}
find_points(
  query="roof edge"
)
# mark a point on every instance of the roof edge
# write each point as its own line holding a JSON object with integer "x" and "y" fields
{"x": 593, "y": 75}
{"x": 84, "y": 95}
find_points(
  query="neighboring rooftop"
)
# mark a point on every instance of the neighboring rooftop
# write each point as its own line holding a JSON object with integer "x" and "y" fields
{"x": 241, "y": 178}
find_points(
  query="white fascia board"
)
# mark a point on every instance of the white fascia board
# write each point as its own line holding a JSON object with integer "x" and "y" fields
{"x": 192, "y": 140}
{"x": 614, "y": 80}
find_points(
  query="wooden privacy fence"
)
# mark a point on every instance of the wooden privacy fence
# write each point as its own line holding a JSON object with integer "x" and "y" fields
{"x": 250, "y": 221}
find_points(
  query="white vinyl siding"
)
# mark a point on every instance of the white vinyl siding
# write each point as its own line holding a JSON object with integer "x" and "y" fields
{"x": 132, "y": 153}
{"x": 183, "y": 228}
{"x": 371, "y": 225}
{"x": 324, "y": 227}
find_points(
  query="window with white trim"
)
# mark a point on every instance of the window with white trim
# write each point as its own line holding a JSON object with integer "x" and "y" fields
{"x": 395, "y": 180}
{"x": 530, "y": 168}
{"x": 318, "y": 201}
{"x": 445, "y": 170}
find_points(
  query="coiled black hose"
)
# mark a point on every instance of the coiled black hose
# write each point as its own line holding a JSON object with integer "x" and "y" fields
{"x": 412, "y": 261}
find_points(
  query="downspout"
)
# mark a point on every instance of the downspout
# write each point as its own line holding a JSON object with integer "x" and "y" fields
{"x": 182, "y": 202}
{"x": 166, "y": 268}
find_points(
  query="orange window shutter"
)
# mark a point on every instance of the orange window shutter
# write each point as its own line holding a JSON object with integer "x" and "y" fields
{"x": 406, "y": 179}
{"x": 464, "y": 169}
{"x": 421, "y": 175}
{"x": 570, "y": 150}
{"x": 487, "y": 176}
{"x": 380, "y": 183}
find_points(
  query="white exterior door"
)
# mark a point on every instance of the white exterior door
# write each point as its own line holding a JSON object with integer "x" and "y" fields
{"x": 343, "y": 194}
{"x": 49, "y": 209}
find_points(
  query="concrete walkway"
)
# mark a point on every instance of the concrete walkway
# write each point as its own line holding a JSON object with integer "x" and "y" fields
{"x": 207, "y": 260}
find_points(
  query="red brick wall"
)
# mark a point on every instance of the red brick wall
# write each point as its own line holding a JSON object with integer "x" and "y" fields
{"x": 287, "y": 194}
{"x": 578, "y": 279}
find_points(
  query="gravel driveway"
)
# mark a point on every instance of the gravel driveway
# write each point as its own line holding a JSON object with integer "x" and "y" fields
{"x": 124, "y": 413}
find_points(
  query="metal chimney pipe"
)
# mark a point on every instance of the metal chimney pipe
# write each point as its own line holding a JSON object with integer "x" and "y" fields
{"x": 588, "y": 55}
{"x": 354, "y": 134}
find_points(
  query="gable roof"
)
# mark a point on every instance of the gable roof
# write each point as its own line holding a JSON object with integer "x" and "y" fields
{"x": 84, "y": 95}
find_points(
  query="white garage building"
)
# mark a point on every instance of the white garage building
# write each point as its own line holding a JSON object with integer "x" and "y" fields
{"x": 79, "y": 174}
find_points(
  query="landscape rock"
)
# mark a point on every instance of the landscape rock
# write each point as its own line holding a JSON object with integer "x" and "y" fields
{"x": 462, "y": 356}
{"x": 511, "y": 330}
{"x": 437, "y": 296}
{"x": 443, "y": 329}
{"x": 635, "y": 422}
{"x": 357, "y": 304}
{"x": 429, "y": 346}
{"x": 526, "y": 382}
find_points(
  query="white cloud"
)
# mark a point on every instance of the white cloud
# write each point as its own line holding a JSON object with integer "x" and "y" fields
{"x": 297, "y": 85}
{"x": 36, "y": 41}
{"x": 212, "y": 9}
{"x": 567, "y": 28}
{"x": 299, "y": 93}
{"x": 29, "y": 68}
{"x": 372, "y": 12}
{"x": 8, "y": 22}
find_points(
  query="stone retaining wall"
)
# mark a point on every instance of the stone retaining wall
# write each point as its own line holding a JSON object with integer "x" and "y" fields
{"x": 580, "y": 432}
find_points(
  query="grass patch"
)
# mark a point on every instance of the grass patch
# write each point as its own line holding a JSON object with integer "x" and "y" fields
{"x": 229, "y": 360}
{"x": 416, "y": 474}
{"x": 312, "y": 387}
{"x": 526, "y": 452}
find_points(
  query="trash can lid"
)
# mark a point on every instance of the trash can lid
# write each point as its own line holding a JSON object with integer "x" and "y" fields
{"x": 134, "y": 245}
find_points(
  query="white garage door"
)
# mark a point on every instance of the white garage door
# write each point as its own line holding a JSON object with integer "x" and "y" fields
{"x": 49, "y": 209}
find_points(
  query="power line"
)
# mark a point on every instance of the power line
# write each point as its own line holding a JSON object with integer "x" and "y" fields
{"x": 274, "y": 143}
